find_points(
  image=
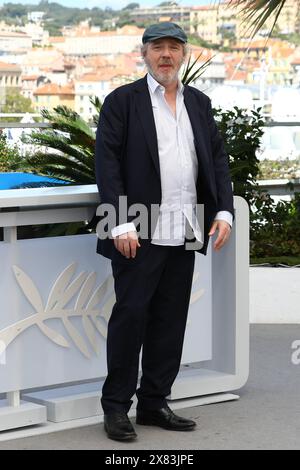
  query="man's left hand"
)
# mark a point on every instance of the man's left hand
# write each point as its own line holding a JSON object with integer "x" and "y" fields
{"x": 224, "y": 230}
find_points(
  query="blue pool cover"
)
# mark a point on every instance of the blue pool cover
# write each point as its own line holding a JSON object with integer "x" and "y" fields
{"x": 20, "y": 180}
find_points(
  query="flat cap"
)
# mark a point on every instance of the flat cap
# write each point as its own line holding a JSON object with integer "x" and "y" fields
{"x": 165, "y": 29}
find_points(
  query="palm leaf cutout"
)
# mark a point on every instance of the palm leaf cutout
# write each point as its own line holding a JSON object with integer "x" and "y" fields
{"x": 198, "y": 293}
{"x": 60, "y": 285}
{"x": 71, "y": 290}
{"x": 100, "y": 327}
{"x": 62, "y": 291}
{"x": 65, "y": 297}
{"x": 100, "y": 292}
{"x": 76, "y": 337}
{"x": 85, "y": 291}
{"x": 106, "y": 310}
{"x": 2, "y": 348}
{"x": 32, "y": 294}
{"x": 81, "y": 300}
{"x": 91, "y": 333}
{"x": 29, "y": 289}
{"x": 98, "y": 295}
{"x": 53, "y": 335}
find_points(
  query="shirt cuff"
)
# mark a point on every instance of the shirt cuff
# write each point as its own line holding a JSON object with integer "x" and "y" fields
{"x": 123, "y": 228}
{"x": 224, "y": 215}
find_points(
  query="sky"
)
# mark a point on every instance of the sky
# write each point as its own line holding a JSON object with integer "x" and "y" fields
{"x": 116, "y": 4}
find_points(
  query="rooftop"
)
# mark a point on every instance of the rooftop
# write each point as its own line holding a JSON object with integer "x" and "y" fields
{"x": 54, "y": 89}
{"x": 14, "y": 34}
{"x": 6, "y": 67}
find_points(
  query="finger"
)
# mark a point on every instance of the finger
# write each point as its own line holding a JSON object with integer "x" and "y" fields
{"x": 218, "y": 242}
{"x": 121, "y": 246}
{"x": 135, "y": 239}
{"x": 213, "y": 228}
{"x": 126, "y": 248}
{"x": 116, "y": 243}
{"x": 221, "y": 240}
{"x": 133, "y": 245}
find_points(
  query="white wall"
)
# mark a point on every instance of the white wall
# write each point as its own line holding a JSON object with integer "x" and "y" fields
{"x": 274, "y": 295}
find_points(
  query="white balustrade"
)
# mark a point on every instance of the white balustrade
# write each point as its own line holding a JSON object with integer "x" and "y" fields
{"x": 56, "y": 296}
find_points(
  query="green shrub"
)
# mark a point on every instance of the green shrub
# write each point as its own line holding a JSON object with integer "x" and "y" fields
{"x": 9, "y": 156}
{"x": 274, "y": 228}
{"x": 242, "y": 134}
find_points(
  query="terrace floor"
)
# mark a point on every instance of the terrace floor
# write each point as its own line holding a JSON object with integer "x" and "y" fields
{"x": 267, "y": 415}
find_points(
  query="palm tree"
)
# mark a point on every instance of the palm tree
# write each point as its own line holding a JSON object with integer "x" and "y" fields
{"x": 256, "y": 12}
{"x": 72, "y": 141}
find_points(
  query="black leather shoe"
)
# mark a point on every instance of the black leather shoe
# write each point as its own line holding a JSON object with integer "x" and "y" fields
{"x": 164, "y": 418}
{"x": 118, "y": 426}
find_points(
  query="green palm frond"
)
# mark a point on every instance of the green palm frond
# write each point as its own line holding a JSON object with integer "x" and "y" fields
{"x": 97, "y": 105}
{"x": 190, "y": 73}
{"x": 58, "y": 142}
{"x": 72, "y": 141}
{"x": 70, "y": 175}
{"x": 256, "y": 12}
{"x": 67, "y": 120}
{"x": 37, "y": 184}
{"x": 60, "y": 166}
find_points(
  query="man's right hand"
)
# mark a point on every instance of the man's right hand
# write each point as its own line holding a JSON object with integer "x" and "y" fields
{"x": 127, "y": 244}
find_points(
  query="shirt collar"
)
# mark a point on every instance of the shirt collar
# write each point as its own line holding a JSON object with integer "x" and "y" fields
{"x": 153, "y": 84}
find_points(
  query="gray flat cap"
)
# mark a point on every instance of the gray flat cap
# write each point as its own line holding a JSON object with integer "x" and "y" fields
{"x": 165, "y": 29}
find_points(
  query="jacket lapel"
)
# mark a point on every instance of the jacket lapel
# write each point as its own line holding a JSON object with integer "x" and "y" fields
{"x": 145, "y": 113}
{"x": 191, "y": 107}
{"x": 197, "y": 123}
{"x": 201, "y": 136}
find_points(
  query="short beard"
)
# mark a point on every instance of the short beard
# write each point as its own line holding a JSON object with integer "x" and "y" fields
{"x": 161, "y": 78}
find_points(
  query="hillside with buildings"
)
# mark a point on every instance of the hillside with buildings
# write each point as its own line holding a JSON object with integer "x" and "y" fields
{"x": 89, "y": 52}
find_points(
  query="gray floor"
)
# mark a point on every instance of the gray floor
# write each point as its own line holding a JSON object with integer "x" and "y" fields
{"x": 267, "y": 416}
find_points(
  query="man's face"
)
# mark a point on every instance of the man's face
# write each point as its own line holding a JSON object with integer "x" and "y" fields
{"x": 164, "y": 58}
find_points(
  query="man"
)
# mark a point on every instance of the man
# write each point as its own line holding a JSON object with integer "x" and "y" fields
{"x": 158, "y": 145}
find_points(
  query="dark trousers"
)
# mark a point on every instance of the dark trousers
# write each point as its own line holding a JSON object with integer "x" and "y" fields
{"x": 152, "y": 300}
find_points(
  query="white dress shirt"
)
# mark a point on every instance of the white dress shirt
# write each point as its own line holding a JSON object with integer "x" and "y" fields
{"x": 178, "y": 170}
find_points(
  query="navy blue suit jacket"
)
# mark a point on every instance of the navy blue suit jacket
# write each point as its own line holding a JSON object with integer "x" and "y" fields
{"x": 127, "y": 160}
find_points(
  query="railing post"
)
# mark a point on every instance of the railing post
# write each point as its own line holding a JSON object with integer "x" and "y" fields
{"x": 13, "y": 398}
{"x": 10, "y": 234}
